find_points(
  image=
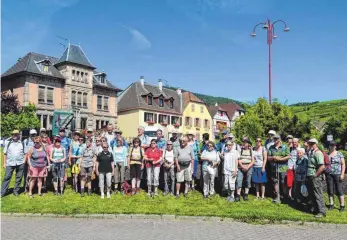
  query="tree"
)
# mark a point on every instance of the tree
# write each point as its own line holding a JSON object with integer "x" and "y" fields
{"x": 9, "y": 103}
{"x": 336, "y": 126}
{"x": 26, "y": 119}
{"x": 262, "y": 117}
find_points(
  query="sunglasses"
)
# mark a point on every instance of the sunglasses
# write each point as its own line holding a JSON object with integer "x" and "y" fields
{"x": 105, "y": 147}
{"x": 210, "y": 145}
{"x": 80, "y": 139}
{"x": 37, "y": 142}
{"x": 258, "y": 141}
{"x": 169, "y": 144}
{"x": 136, "y": 142}
{"x": 153, "y": 143}
{"x": 229, "y": 145}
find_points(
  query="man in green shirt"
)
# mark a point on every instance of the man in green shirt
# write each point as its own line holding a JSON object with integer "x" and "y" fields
{"x": 278, "y": 156}
{"x": 315, "y": 178}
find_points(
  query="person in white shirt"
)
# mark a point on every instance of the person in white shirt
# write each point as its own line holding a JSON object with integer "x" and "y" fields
{"x": 230, "y": 168}
{"x": 169, "y": 169}
{"x": 109, "y": 134}
{"x": 211, "y": 160}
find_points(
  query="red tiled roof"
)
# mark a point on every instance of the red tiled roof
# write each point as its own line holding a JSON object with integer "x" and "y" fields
{"x": 231, "y": 108}
{"x": 190, "y": 97}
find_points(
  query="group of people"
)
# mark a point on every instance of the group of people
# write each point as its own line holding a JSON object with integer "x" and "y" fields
{"x": 295, "y": 172}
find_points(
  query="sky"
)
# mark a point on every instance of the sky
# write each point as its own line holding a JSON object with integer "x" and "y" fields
{"x": 203, "y": 46}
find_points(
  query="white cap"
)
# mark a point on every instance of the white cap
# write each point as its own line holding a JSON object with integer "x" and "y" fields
{"x": 174, "y": 131}
{"x": 313, "y": 140}
{"x": 43, "y": 130}
{"x": 90, "y": 130}
{"x": 272, "y": 132}
{"x": 32, "y": 131}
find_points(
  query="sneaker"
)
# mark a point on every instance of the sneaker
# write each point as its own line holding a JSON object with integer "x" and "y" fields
{"x": 231, "y": 199}
{"x": 331, "y": 207}
{"x": 177, "y": 196}
{"x": 228, "y": 198}
{"x": 186, "y": 195}
{"x": 319, "y": 215}
{"x": 82, "y": 193}
{"x": 115, "y": 192}
{"x": 342, "y": 209}
{"x": 276, "y": 201}
{"x": 172, "y": 194}
{"x": 237, "y": 198}
{"x": 263, "y": 198}
{"x": 102, "y": 196}
{"x": 149, "y": 194}
{"x": 16, "y": 194}
{"x": 89, "y": 192}
{"x": 156, "y": 194}
{"x": 108, "y": 195}
{"x": 55, "y": 193}
{"x": 133, "y": 191}
{"x": 245, "y": 197}
{"x": 193, "y": 189}
{"x": 205, "y": 197}
{"x": 165, "y": 193}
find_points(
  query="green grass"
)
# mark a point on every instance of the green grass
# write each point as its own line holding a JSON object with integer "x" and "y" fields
{"x": 252, "y": 211}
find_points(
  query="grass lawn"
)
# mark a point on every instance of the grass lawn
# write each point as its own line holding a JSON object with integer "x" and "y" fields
{"x": 71, "y": 203}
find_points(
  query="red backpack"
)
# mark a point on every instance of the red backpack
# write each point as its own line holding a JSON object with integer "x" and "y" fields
{"x": 327, "y": 163}
{"x": 127, "y": 188}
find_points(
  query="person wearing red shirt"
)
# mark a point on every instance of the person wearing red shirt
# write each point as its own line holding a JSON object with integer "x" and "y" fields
{"x": 153, "y": 157}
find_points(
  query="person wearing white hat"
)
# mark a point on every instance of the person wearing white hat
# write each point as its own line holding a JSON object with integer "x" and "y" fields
{"x": 270, "y": 141}
{"x": 315, "y": 178}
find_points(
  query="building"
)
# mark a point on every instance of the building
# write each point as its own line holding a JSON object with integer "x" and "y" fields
{"x": 220, "y": 119}
{"x": 196, "y": 117}
{"x": 70, "y": 82}
{"x": 234, "y": 111}
{"x": 153, "y": 107}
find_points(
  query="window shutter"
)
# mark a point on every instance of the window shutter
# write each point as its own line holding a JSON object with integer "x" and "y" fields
{"x": 41, "y": 96}
{"x": 50, "y": 92}
{"x": 85, "y": 100}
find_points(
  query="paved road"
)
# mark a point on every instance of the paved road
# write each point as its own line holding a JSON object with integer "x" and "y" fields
{"x": 18, "y": 228}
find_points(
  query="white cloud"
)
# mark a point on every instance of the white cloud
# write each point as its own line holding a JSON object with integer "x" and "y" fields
{"x": 138, "y": 41}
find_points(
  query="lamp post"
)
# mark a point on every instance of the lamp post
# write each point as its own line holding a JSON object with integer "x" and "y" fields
{"x": 269, "y": 27}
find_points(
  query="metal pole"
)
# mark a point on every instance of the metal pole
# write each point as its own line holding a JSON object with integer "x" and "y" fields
{"x": 270, "y": 90}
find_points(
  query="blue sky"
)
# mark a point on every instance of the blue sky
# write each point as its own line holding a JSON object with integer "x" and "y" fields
{"x": 200, "y": 45}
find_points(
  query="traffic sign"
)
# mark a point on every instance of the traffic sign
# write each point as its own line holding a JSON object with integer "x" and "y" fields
{"x": 330, "y": 138}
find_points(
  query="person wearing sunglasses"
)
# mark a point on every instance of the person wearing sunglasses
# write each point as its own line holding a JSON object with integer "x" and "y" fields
{"x": 231, "y": 157}
{"x": 169, "y": 169}
{"x": 75, "y": 158}
{"x": 153, "y": 161}
{"x": 135, "y": 161}
{"x": 259, "y": 177}
{"x": 37, "y": 166}
{"x": 105, "y": 169}
{"x": 210, "y": 161}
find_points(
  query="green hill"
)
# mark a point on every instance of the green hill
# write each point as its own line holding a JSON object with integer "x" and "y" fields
{"x": 319, "y": 111}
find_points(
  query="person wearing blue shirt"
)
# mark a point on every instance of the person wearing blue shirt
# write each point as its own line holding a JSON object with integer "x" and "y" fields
{"x": 118, "y": 134}
{"x": 220, "y": 145}
{"x": 65, "y": 142}
{"x": 161, "y": 142}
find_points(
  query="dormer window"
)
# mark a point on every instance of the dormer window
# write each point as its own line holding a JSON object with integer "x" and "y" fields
{"x": 102, "y": 79}
{"x": 150, "y": 99}
{"x": 43, "y": 65}
{"x": 161, "y": 102}
{"x": 171, "y": 103}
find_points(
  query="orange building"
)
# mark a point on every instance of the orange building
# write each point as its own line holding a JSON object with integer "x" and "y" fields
{"x": 69, "y": 83}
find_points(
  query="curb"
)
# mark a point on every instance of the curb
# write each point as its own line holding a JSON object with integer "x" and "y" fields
{"x": 172, "y": 218}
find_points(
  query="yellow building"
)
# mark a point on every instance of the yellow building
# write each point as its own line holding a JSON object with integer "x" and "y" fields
{"x": 153, "y": 107}
{"x": 196, "y": 117}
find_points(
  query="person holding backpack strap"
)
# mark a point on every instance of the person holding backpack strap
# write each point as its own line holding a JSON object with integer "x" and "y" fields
{"x": 135, "y": 161}
{"x": 335, "y": 176}
{"x": 14, "y": 155}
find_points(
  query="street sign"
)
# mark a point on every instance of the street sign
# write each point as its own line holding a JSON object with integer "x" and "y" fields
{"x": 330, "y": 138}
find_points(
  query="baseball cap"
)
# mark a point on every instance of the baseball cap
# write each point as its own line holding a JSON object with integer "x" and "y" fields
{"x": 62, "y": 130}
{"x": 289, "y": 137}
{"x": 15, "y": 131}
{"x": 42, "y": 129}
{"x": 246, "y": 139}
{"x": 230, "y": 135}
{"x": 277, "y": 136}
{"x": 168, "y": 143}
{"x": 229, "y": 143}
{"x": 332, "y": 143}
{"x": 174, "y": 131}
{"x": 32, "y": 131}
{"x": 225, "y": 132}
{"x": 313, "y": 140}
{"x": 272, "y": 132}
{"x": 90, "y": 130}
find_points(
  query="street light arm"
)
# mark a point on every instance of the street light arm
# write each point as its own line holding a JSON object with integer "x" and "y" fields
{"x": 285, "y": 24}
{"x": 257, "y": 26}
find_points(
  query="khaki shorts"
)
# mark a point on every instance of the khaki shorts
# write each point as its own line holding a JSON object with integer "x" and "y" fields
{"x": 184, "y": 175}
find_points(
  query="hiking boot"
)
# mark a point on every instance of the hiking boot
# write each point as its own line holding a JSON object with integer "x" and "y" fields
{"x": 231, "y": 199}
{"x": 331, "y": 207}
{"x": 319, "y": 215}
{"x": 205, "y": 197}
{"x": 138, "y": 190}
{"x": 342, "y": 209}
{"x": 186, "y": 195}
{"x": 15, "y": 194}
{"x": 237, "y": 198}
{"x": 245, "y": 197}
{"x": 82, "y": 193}
{"x": 276, "y": 201}
{"x": 149, "y": 194}
{"x": 89, "y": 192}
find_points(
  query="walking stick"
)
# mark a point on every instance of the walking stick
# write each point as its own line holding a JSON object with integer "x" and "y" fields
{"x": 278, "y": 181}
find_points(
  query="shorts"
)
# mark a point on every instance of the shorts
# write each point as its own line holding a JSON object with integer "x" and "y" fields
{"x": 229, "y": 182}
{"x": 334, "y": 183}
{"x": 86, "y": 171}
{"x": 290, "y": 178}
{"x": 38, "y": 172}
{"x": 258, "y": 176}
{"x": 135, "y": 171}
{"x": 184, "y": 175}
{"x": 248, "y": 177}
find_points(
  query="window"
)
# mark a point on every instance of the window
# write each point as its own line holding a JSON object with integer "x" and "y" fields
{"x": 44, "y": 121}
{"x": 45, "y": 68}
{"x": 197, "y": 122}
{"x": 175, "y": 120}
{"x": 73, "y": 77}
{"x": 171, "y": 103}
{"x": 97, "y": 123}
{"x": 73, "y": 98}
{"x": 102, "y": 79}
{"x": 86, "y": 78}
{"x": 38, "y": 117}
{"x": 79, "y": 99}
{"x": 193, "y": 107}
{"x": 42, "y": 91}
{"x": 99, "y": 103}
{"x": 187, "y": 121}
{"x": 50, "y": 121}
{"x": 43, "y": 65}
{"x": 206, "y": 124}
{"x": 50, "y": 95}
{"x": 78, "y": 76}
{"x": 45, "y": 95}
{"x": 106, "y": 103}
{"x": 163, "y": 119}
{"x": 161, "y": 102}
{"x": 83, "y": 123}
{"x": 85, "y": 99}
{"x": 149, "y": 117}
{"x": 150, "y": 99}
{"x": 82, "y": 76}
{"x": 201, "y": 109}
{"x": 221, "y": 113}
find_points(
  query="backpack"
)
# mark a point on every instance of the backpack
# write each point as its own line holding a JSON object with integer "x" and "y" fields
{"x": 327, "y": 163}
{"x": 250, "y": 150}
{"x": 9, "y": 143}
{"x": 127, "y": 188}
{"x": 131, "y": 153}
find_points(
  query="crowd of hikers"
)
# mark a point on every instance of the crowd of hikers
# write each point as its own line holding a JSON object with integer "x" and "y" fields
{"x": 107, "y": 164}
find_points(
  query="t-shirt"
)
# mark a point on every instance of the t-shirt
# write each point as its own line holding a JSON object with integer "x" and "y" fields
{"x": 135, "y": 155}
{"x": 120, "y": 155}
{"x": 211, "y": 156}
{"x": 259, "y": 156}
{"x": 168, "y": 156}
{"x": 315, "y": 160}
{"x": 38, "y": 158}
{"x": 88, "y": 155}
{"x": 292, "y": 159}
{"x": 268, "y": 144}
{"x": 105, "y": 160}
{"x": 161, "y": 143}
{"x": 246, "y": 156}
{"x": 76, "y": 150}
{"x": 154, "y": 154}
{"x": 230, "y": 161}
{"x": 301, "y": 169}
{"x": 281, "y": 151}
{"x": 335, "y": 162}
{"x": 175, "y": 143}
{"x": 184, "y": 155}
{"x": 195, "y": 147}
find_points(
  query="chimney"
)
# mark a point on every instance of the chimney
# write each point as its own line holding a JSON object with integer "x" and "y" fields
{"x": 179, "y": 92}
{"x": 160, "y": 85}
{"x": 216, "y": 104}
{"x": 142, "y": 80}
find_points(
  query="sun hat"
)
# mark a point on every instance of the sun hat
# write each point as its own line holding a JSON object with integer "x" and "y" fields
{"x": 272, "y": 132}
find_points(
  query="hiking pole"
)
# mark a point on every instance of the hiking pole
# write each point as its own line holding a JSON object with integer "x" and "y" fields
{"x": 60, "y": 180}
{"x": 278, "y": 182}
